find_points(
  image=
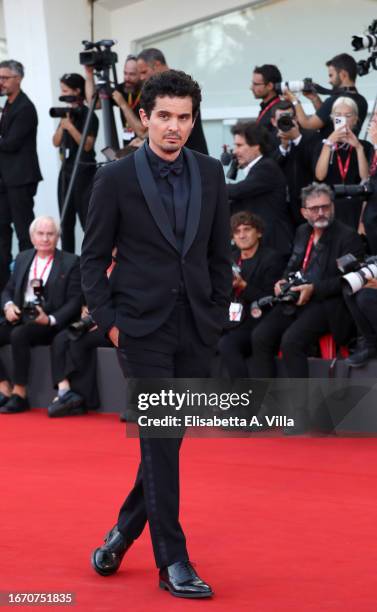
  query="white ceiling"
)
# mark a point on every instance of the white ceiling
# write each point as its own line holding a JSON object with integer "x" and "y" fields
{"x": 112, "y": 5}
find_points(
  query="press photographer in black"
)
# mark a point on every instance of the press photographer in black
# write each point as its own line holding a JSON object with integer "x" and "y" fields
{"x": 363, "y": 307}
{"x": 263, "y": 83}
{"x": 256, "y": 269}
{"x": 68, "y": 137}
{"x": 343, "y": 158}
{"x": 294, "y": 154}
{"x": 263, "y": 191}
{"x": 320, "y": 308}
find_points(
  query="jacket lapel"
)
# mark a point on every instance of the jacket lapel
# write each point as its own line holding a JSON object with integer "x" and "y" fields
{"x": 152, "y": 197}
{"x": 195, "y": 201}
{"x": 53, "y": 276}
{"x": 21, "y": 279}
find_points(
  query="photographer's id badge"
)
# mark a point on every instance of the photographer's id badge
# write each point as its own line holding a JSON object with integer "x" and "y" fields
{"x": 235, "y": 311}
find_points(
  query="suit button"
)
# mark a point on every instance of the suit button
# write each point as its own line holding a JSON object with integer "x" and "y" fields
{"x": 174, "y": 290}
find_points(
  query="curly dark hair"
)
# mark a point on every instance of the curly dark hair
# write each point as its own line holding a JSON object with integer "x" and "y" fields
{"x": 254, "y": 134}
{"x": 171, "y": 83}
{"x": 244, "y": 217}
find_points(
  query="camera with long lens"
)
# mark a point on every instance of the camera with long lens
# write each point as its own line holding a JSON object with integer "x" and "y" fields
{"x": 369, "y": 42}
{"x": 287, "y": 297}
{"x": 285, "y": 122}
{"x": 98, "y": 54}
{"x": 363, "y": 190}
{"x": 29, "y": 309}
{"x": 356, "y": 274}
{"x": 305, "y": 85}
{"x": 78, "y": 329}
{"x": 62, "y": 111}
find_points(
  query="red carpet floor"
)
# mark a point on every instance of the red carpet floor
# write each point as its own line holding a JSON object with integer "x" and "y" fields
{"x": 274, "y": 525}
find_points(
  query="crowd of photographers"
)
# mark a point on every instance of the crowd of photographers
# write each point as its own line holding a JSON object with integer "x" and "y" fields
{"x": 305, "y": 200}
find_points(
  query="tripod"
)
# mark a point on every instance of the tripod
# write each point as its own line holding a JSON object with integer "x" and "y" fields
{"x": 103, "y": 93}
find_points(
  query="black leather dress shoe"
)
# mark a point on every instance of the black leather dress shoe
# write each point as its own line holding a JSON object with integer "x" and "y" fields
{"x": 15, "y": 404}
{"x": 3, "y": 399}
{"x": 181, "y": 580}
{"x": 360, "y": 358}
{"x": 69, "y": 404}
{"x": 107, "y": 559}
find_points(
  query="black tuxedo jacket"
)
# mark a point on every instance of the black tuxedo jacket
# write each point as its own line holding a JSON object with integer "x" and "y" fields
{"x": 337, "y": 240}
{"x": 62, "y": 290}
{"x": 126, "y": 211}
{"x": 18, "y": 144}
{"x": 263, "y": 192}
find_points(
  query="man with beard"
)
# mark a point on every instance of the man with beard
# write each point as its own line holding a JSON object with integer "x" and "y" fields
{"x": 342, "y": 71}
{"x": 126, "y": 96}
{"x": 320, "y": 306}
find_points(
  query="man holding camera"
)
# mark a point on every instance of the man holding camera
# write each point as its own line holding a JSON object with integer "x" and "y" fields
{"x": 363, "y": 307}
{"x": 294, "y": 154}
{"x": 19, "y": 168}
{"x": 342, "y": 71}
{"x": 42, "y": 295}
{"x": 263, "y": 85}
{"x": 320, "y": 307}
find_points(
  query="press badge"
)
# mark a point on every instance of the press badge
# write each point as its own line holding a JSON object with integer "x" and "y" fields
{"x": 235, "y": 311}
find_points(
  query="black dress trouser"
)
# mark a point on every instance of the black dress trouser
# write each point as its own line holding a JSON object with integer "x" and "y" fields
{"x": 363, "y": 307}
{"x": 293, "y": 334}
{"x": 173, "y": 351}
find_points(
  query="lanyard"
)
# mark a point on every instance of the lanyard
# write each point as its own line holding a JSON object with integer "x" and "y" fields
{"x": 132, "y": 103}
{"x": 308, "y": 252}
{"x": 264, "y": 111}
{"x": 49, "y": 260}
{"x": 343, "y": 170}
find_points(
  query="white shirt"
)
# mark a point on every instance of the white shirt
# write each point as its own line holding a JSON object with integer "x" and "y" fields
{"x": 36, "y": 269}
{"x": 295, "y": 142}
{"x": 251, "y": 164}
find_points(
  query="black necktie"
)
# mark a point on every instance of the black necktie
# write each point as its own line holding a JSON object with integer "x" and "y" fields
{"x": 172, "y": 172}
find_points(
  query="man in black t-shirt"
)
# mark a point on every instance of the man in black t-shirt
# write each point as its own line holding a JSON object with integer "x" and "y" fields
{"x": 263, "y": 84}
{"x": 342, "y": 71}
{"x": 127, "y": 97}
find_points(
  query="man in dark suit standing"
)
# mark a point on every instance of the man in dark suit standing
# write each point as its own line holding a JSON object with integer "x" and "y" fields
{"x": 165, "y": 208}
{"x": 58, "y": 275}
{"x": 19, "y": 168}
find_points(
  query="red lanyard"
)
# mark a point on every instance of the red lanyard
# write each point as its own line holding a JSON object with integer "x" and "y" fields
{"x": 373, "y": 166}
{"x": 308, "y": 251}
{"x": 264, "y": 111}
{"x": 132, "y": 103}
{"x": 44, "y": 269}
{"x": 343, "y": 170}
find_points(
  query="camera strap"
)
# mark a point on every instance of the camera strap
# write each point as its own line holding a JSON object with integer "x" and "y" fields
{"x": 265, "y": 110}
{"x": 308, "y": 252}
{"x": 343, "y": 169}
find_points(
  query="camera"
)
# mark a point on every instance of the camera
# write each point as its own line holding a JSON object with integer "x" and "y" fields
{"x": 29, "y": 308}
{"x": 368, "y": 41}
{"x": 98, "y": 54}
{"x": 305, "y": 85}
{"x": 364, "y": 190}
{"x": 285, "y": 122}
{"x": 79, "y": 328}
{"x": 62, "y": 111}
{"x": 228, "y": 158}
{"x": 286, "y": 296}
{"x": 355, "y": 273}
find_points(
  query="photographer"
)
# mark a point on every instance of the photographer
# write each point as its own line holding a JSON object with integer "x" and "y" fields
{"x": 31, "y": 318}
{"x": 263, "y": 191}
{"x": 126, "y": 95}
{"x": 343, "y": 158}
{"x": 294, "y": 154}
{"x": 263, "y": 84}
{"x": 68, "y": 137}
{"x": 342, "y": 72}
{"x": 320, "y": 308}
{"x": 370, "y": 211}
{"x": 257, "y": 270}
{"x": 363, "y": 307}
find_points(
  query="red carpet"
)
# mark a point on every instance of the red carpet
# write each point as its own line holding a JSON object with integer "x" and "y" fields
{"x": 274, "y": 525}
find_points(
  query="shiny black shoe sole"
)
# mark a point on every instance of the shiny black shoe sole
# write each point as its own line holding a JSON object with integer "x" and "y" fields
{"x": 99, "y": 570}
{"x": 163, "y": 585}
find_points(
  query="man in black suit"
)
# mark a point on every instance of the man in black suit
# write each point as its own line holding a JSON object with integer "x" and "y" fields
{"x": 58, "y": 274}
{"x": 256, "y": 272}
{"x": 165, "y": 209}
{"x": 320, "y": 306}
{"x": 263, "y": 191}
{"x": 19, "y": 169}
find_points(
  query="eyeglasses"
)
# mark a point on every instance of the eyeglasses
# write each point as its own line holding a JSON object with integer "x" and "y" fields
{"x": 6, "y": 78}
{"x": 258, "y": 84}
{"x": 346, "y": 115}
{"x": 317, "y": 209}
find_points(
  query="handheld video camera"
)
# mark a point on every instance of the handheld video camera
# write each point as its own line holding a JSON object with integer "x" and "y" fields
{"x": 287, "y": 297}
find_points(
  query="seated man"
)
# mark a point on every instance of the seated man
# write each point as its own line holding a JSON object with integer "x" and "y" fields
{"x": 55, "y": 276}
{"x": 320, "y": 307}
{"x": 363, "y": 307}
{"x": 259, "y": 268}
{"x": 263, "y": 191}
